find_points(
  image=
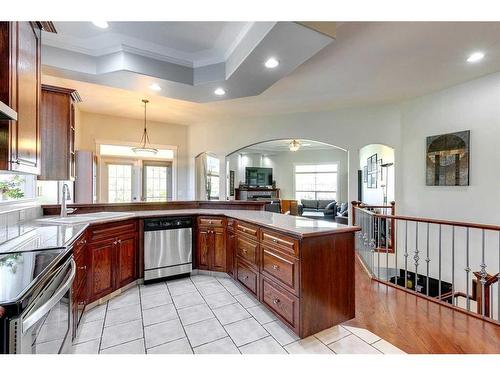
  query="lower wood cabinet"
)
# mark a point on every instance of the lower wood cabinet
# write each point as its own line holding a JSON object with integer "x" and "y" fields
{"x": 230, "y": 250}
{"x": 247, "y": 276}
{"x": 79, "y": 288}
{"x": 211, "y": 244}
{"x": 112, "y": 258}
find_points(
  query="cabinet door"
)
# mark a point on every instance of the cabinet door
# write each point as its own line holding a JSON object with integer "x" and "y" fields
{"x": 25, "y": 140}
{"x": 101, "y": 268}
{"x": 126, "y": 257}
{"x": 218, "y": 250}
{"x": 230, "y": 246}
{"x": 203, "y": 249}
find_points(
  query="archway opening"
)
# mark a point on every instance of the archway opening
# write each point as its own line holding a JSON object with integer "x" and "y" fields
{"x": 376, "y": 162}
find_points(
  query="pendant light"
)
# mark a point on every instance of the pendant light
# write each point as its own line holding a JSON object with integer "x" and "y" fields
{"x": 294, "y": 145}
{"x": 145, "y": 148}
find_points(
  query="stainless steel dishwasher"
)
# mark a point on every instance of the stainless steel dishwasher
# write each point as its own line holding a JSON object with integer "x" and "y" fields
{"x": 168, "y": 247}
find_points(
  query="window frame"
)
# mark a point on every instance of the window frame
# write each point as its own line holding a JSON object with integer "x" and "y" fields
{"x": 105, "y": 181}
{"x": 210, "y": 174}
{"x": 337, "y": 172}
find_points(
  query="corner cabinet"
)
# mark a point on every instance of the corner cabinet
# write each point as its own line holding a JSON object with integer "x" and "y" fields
{"x": 112, "y": 252}
{"x": 57, "y": 133}
{"x": 20, "y": 82}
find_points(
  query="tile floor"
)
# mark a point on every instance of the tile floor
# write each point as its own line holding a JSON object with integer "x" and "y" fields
{"x": 206, "y": 315}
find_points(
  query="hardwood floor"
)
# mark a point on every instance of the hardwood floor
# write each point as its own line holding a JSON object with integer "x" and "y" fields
{"x": 416, "y": 325}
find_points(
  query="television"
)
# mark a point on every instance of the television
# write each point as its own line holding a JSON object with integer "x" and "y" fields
{"x": 256, "y": 176}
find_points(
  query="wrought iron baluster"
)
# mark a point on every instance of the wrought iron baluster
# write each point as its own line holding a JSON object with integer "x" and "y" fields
{"x": 453, "y": 265}
{"x": 427, "y": 260}
{"x": 406, "y": 253}
{"x": 439, "y": 263}
{"x": 416, "y": 258}
{"x": 467, "y": 271}
{"x": 483, "y": 274}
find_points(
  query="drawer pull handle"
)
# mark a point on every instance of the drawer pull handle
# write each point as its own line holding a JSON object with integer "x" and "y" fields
{"x": 245, "y": 277}
{"x": 275, "y": 240}
{"x": 82, "y": 268}
{"x": 275, "y": 267}
{"x": 276, "y": 301}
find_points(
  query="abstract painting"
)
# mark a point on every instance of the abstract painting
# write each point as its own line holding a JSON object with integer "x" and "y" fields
{"x": 447, "y": 159}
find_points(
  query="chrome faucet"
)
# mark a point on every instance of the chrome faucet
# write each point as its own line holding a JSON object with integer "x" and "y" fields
{"x": 65, "y": 196}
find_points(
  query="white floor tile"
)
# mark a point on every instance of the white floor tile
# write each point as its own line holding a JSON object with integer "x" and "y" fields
{"x": 148, "y": 289}
{"x": 161, "y": 333}
{"x": 127, "y": 298}
{"x": 195, "y": 314}
{"x": 363, "y": 334}
{"x": 200, "y": 279}
{"x": 181, "y": 288}
{"x": 123, "y": 315}
{"x": 89, "y": 331}
{"x": 187, "y": 300}
{"x": 211, "y": 287}
{"x": 96, "y": 313}
{"x": 267, "y": 345}
{"x": 245, "y": 331}
{"x": 246, "y": 300}
{"x": 154, "y": 300}
{"x": 203, "y": 332}
{"x": 180, "y": 346}
{"x": 132, "y": 347}
{"x": 159, "y": 314}
{"x": 262, "y": 314}
{"x": 352, "y": 345}
{"x": 281, "y": 333}
{"x": 89, "y": 347}
{"x": 231, "y": 313}
{"x": 121, "y": 333}
{"x": 309, "y": 345}
{"x": 332, "y": 334}
{"x": 219, "y": 299}
{"x": 387, "y": 348}
{"x": 222, "y": 346}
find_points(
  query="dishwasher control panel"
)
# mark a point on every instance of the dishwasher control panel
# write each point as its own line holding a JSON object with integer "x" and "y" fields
{"x": 167, "y": 223}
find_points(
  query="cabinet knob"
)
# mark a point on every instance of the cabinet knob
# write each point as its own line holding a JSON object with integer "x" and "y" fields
{"x": 276, "y": 301}
{"x": 275, "y": 267}
{"x": 245, "y": 251}
{"x": 119, "y": 241}
{"x": 245, "y": 277}
{"x": 82, "y": 268}
{"x": 275, "y": 240}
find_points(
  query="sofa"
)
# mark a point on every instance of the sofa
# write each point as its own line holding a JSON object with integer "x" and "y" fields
{"x": 316, "y": 207}
{"x": 342, "y": 215}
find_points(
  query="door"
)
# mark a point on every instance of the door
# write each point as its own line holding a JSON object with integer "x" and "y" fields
{"x": 156, "y": 181}
{"x": 118, "y": 180}
{"x": 230, "y": 246}
{"x": 218, "y": 250}
{"x": 25, "y": 141}
{"x": 203, "y": 248}
{"x": 101, "y": 268}
{"x": 126, "y": 260}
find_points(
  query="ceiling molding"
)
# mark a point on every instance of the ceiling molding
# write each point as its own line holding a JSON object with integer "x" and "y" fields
{"x": 327, "y": 28}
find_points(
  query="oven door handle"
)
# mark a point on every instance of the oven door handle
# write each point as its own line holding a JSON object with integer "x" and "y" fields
{"x": 47, "y": 306}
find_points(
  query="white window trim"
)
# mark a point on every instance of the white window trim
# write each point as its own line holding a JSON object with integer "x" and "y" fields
{"x": 339, "y": 185}
{"x": 99, "y": 142}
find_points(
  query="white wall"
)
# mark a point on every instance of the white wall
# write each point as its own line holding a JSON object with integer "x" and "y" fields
{"x": 375, "y": 196}
{"x": 283, "y": 167}
{"x": 473, "y": 106}
{"x": 341, "y": 128}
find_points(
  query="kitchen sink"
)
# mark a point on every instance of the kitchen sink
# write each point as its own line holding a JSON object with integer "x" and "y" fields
{"x": 83, "y": 218}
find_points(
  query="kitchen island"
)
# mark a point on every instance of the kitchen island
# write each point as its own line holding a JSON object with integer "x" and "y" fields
{"x": 301, "y": 269}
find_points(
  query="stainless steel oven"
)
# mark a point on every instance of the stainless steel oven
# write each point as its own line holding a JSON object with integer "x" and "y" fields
{"x": 44, "y": 325}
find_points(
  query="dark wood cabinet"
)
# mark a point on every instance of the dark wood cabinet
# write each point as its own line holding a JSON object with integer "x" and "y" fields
{"x": 211, "y": 244}
{"x": 230, "y": 248}
{"x": 20, "y": 82}
{"x": 57, "y": 133}
{"x": 79, "y": 288}
{"x": 113, "y": 258}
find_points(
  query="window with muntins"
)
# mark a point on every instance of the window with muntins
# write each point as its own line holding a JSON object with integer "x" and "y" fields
{"x": 316, "y": 181}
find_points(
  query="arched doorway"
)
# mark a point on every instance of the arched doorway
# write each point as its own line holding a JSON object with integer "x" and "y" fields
{"x": 376, "y": 161}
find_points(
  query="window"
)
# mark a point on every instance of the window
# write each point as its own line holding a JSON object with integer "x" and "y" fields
{"x": 16, "y": 187}
{"x": 213, "y": 170}
{"x": 316, "y": 181}
{"x": 119, "y": 183}
{"x": 155, "y": 181}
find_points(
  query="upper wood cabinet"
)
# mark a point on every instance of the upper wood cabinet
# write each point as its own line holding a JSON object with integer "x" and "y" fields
{"x": 57, "y": 133}
{"x": 20, "y": 81}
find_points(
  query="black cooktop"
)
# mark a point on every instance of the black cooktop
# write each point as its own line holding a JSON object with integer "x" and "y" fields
{"x": 21, "y": 271}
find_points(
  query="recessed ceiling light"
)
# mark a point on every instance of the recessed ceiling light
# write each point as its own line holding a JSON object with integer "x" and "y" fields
{"x": 101, "y": 24}
{"x": 219, "y": 91}
{"x": 271, "y": 63}
{"x": 475, "y": 57}
{"x": 155, "y": 87}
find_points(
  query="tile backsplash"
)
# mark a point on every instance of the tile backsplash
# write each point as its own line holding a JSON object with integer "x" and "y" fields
{"x": 13, "y": 218}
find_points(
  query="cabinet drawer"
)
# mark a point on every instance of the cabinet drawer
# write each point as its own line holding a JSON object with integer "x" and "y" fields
{"x": 104, "y": 231}
{"x": 211, "y": 221}
{"x": 247, "y": 276}
{"x": 249, "y": 230}
{"x": 248, "y": 250}
{"x": 282, "y": 267}
{"x": 280, "y": 242}
{"x": 283, "y": 303}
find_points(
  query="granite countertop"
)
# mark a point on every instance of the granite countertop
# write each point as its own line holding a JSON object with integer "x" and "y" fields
{"x": 49, "y": 233}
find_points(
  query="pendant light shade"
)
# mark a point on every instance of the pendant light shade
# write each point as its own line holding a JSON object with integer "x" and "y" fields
{"x": 294, "y": 145}
{"x": 145, "y": 148}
